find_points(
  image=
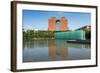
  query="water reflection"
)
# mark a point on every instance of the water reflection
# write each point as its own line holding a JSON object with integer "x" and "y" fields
{"x": 35, "y": 43}
{"x": 54, "y": 50}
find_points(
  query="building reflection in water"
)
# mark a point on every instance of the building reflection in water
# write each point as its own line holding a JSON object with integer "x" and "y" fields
{"x": 57, "y": 50}
{"x": 60, "y": 48}
{"x": 54, "y": 50}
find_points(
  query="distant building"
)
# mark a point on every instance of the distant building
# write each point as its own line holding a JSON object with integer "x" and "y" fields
{"x": 86, "y": 27}
{"x": 58, "y": 24}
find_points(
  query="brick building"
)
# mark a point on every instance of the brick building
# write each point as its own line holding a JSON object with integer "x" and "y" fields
{"x": 58, "y": 24}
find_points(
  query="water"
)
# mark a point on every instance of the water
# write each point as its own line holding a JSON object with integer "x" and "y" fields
{"x": 54, "y": 50}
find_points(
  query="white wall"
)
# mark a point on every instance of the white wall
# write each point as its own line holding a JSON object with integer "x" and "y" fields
{"x": 5, "y": 37}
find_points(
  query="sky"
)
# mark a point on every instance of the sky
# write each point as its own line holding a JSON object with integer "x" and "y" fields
{"x": 38, "y": 20}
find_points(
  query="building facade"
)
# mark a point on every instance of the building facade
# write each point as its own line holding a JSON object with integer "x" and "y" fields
{"x": 58, "y": 24}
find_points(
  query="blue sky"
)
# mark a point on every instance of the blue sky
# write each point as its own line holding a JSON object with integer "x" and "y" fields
{"x": 38, "y": 20}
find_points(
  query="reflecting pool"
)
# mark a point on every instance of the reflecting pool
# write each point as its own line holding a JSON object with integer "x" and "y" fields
{"x": 54, "y": 50}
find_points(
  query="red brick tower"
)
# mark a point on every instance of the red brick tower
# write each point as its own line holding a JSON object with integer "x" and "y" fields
{"x": 51, "y": 24}
{"x": 63, "y": 24}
